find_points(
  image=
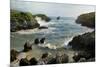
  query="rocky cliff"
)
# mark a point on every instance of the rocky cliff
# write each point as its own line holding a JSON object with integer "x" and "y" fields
{"x": 24, "y": 20}
{"x": 87, "y": 19}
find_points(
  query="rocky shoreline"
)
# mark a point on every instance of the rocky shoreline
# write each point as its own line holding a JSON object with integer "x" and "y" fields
{"x": 83, "y": 50}
{"x": 63, "y": 55}
{"x": 87, "y": 19}
{"x": 25, "y": 20}
{"x": 86, "y": 41}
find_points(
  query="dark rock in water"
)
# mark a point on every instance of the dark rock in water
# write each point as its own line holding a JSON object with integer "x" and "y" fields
{"x": 36, "y": 41}
{"x": 58, "y": 17}
{"x": 13, "y": 54}
{"x": 43, "y": 27}
{"x": 87, "y": 19}
{"x": 42, "y": 40}
{"x": 33, "y": 61}
{"x": 27, "y": 47}
{"x": 24, "y": 62}
{"x": 85, "y": 42}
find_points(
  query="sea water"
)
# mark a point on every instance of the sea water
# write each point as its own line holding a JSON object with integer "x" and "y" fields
{"x": 59, "y": 33}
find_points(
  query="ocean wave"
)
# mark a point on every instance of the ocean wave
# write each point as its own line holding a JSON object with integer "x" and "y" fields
{"x": 67, "y": 40}
{"x": 48, "y": 45}
{"x": 33, "y": 31}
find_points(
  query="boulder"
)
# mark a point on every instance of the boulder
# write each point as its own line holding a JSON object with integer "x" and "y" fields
{"x": 36, "y": 41}
{"x": 27, "y": 47}
{"x": 52, "y": 59}
{"x": 13, "y": 54}
{"x": 33, "y": 61}
{"x": 63, "y": 58}
{"x": 44, "y": 55}
{"x": 42, "y": 40}
{"x": 85, "y": 42}
{"x": 47, "y": 58}
{"x": 81, "y": 56}
{"x": 24, "y": 62}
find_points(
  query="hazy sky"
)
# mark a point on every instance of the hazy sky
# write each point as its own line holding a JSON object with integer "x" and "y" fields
{"x": 51, "y": 9}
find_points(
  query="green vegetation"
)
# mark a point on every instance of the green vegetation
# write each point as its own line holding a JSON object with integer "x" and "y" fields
{"x": 87, "y": 19}
{"x": 24, "y": 20}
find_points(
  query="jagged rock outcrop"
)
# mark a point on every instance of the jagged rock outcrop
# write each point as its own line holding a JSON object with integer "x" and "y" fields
{"x": 33, "y": 61}
{"x": 24, "y": 62}
{"x": 24, "y": 20}
{"x": 52, "y": 59}
{"x": 27, "y": 47}
{"x": 87, "y": 19}
{"x": 85, "y": 42}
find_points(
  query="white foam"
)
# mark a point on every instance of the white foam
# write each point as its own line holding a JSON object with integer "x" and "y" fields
{"x": 36, "y": 30}
{"x": 48, "y": 45}
{"x": 67, "y": 40}
{"x": 32, "y": 31}
{"x": 41, "y": 22}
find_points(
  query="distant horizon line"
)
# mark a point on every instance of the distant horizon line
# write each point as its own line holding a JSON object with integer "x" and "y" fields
{"x": 50, "y": 15}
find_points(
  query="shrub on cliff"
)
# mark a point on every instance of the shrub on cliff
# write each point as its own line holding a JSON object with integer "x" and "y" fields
{"x": 22, "y": 20}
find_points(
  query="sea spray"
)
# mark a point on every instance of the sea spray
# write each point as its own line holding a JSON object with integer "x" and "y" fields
{"x": 66, "y": 42}
{"x": 41, "y": 22}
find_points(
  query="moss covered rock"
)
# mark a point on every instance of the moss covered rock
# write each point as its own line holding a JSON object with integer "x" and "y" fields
{"x": 22, "y": 20}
